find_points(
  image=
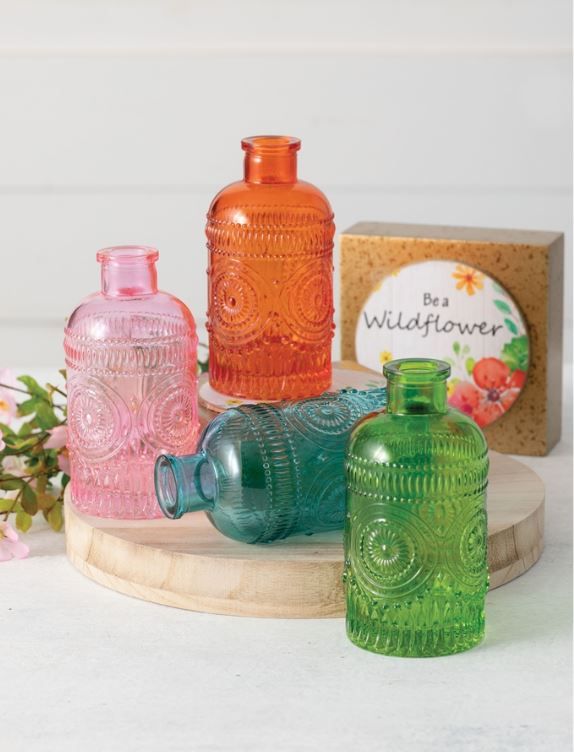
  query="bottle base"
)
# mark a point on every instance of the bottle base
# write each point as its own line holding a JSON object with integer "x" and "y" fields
{"x": 296, "y": 386}
{"x": 116, "y": 505}
{"x": 415, "y": 643}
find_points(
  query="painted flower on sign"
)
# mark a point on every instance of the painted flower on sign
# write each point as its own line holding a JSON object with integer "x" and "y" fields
{"x": 451, "y": 386}
{"x": 385, "y": 357}
{"x": 493, "y": 391}
{"x": 468, "y": 279}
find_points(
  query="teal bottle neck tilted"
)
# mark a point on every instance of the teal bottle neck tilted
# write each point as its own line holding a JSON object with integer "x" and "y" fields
{"x": 417, "y": 386}
{"x": 184, "y": 484}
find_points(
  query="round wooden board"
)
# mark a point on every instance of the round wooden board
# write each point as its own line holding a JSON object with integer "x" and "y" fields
{"x": 188, "y": 564}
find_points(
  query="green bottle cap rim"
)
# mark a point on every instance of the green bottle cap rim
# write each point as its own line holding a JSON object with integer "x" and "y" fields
{"x": 416, "y": 370}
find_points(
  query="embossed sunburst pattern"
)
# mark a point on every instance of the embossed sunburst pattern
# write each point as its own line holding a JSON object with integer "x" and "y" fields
{"x": 415, "y": 567}
{"x": 472, "y": 547}
{"x": 128, "y": 400}
{"x": 323, "y": 505}
{"x": 391, "y": 553}
{"x": 307, "y": 301}
{"x": 325, "y": 419}
{"x": 270, "y": 311}
{"x": 169, "y": 412}
{"x": 98, "y": 418}
{"x": 275, "y": 481}
{"x": 238, "y": 307}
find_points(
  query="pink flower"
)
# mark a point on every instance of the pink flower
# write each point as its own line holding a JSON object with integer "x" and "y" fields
{"x": 64, "y": 462}
{"x": 15, "y": 465}
{"x": 10, "y": 545}
{"x": 8, "y": 407}
{"x": 58, "y": 438}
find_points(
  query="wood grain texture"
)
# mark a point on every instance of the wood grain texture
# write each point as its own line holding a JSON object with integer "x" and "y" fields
{"x": 188, "y": 564}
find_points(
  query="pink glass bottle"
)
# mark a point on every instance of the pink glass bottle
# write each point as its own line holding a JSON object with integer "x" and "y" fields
{"x": 131, "y": 358}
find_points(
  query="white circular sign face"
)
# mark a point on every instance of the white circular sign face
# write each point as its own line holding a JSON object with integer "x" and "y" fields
{"x": 453, "y": 312}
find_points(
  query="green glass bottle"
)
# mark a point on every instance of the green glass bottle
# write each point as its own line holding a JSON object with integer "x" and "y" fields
{"x": 415, "y": 535}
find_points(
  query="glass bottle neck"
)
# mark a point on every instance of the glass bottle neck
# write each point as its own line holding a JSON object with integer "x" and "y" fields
{"x": 184, "y": 484}
{"x": 128, "y": 271}
{"x": 416, "y": 386}
{"x": 121, "y": 281}
{"x": 405, "y": 399}
{"x": 265, "y": 168}
{"x": 270, "y": 159}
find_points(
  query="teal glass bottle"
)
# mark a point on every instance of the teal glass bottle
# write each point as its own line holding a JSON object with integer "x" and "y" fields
{"x": 266, "y": 471}
{"x": 415, "y": 534}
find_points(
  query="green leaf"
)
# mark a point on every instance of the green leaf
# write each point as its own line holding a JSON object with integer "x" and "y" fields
{"x": 11, "y": 483}
{"x": 55, "y": 518}
{"x": 502, "y": 306}
{"x": 22, "y": 445}
{"x": 23, "y": 521}
{"x": 65, "y": 480}
{"x": 497, "y": 288}
{"x": 465, "y": 350}
{"x": 33, "y": 387}
{"x": 9, "y": 451}
{"x": 516, "y": 353}
{"x": 29, "y": 500}
{"x": 41, "y": 483}
{"x": 45, "y": 416}
{"x": 6, "y": 504}
{"x": 456, "y": 348}
{"x": 6, "y": 430}
{"x": 28, "y": 407}
{"x": 25, "y": 430}
{"x": 511, "y": 325}
{"x": 469, "y": 365}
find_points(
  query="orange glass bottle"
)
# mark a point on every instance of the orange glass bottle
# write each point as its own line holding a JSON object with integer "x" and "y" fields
{"x": 270, "y": 314}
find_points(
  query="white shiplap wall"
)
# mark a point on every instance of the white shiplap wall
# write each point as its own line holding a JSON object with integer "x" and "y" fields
{"x": 119, "y": 121}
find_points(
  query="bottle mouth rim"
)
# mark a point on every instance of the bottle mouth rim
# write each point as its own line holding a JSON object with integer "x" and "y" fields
{"x": 165, "y": 480}
{"x": 127, "y": 254}
{"x": 271, "y": 144}
{"x": 417, "y": 370}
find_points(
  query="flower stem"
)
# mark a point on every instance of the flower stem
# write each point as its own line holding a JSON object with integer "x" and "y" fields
{"x": 16, "y": 389}
{"x": 55, "y": 389}
{"x": 16, "y": 500}
{"x": 26, "y": 477}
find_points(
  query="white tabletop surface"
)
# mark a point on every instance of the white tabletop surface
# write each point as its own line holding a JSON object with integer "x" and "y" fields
{"x": 84, "y": 668}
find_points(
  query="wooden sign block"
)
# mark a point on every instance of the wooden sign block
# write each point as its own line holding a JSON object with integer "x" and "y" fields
{"x": 490, "y": 301}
